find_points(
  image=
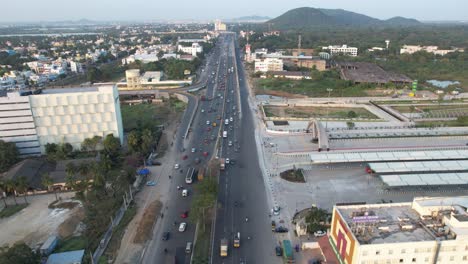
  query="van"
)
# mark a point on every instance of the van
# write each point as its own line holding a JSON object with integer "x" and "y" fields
{"x": 188, "y": 248}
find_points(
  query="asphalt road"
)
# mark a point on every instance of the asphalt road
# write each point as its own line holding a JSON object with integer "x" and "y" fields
{"x": 203, "y": 141}
{"x": 241, "y": 189}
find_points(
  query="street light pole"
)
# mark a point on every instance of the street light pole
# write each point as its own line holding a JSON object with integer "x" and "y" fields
{"x": 329, "y": 90}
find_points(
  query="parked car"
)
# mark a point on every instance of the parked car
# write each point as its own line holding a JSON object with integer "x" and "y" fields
{"x": 281, "y": 229}
{"x": 182, "y": 227}
{"x": 165, "y": 236}
{"x": 150, "y": 183}
{"x": 273, "y": 225}
{"x": 279, "y": 251}
{"x": 320, "y": 233}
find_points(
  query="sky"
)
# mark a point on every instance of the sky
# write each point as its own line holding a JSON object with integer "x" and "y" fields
{"x": 130, "y": 10}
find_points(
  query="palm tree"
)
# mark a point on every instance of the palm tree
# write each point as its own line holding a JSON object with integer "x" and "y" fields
{"x": 47, "y": 182}
{"x": 70, "y": 169}
{"x": 10, "y": 186}
{"x": 3, "y": 189}
{"x": 22, "y": 185}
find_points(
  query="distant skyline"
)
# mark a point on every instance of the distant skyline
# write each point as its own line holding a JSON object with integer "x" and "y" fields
{"x": 145, "y": 10}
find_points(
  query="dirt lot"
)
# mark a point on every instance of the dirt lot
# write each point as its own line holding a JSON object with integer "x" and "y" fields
{"x": 37, "y": 222}
{"x": 313, "y": 111}
{"x": 145, "y": 227}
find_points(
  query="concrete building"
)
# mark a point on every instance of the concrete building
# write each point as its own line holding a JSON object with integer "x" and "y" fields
{"x": 68, "y": 115}
{"x": 133, "y": 77}
{"x": 151, "y": 77}
{"x": 268, "y": 64}
{"x": 293, "y": 75}
{"x": 219, "y": 26}
{"x": 193, "y": 50}
{"x": 410, "y": 49}
{"x": 427, "y": 230}
{"x": 76, "y": 67}
{"x": 344, "y": 49}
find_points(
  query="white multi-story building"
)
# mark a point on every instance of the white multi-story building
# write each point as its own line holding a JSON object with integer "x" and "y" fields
{"x": 344, "y": 49}
{"x": 410, "y": 49}
{"x": 194, "y": 49}
{"x": 268, "y": 64}
{"x": 219, "y": 26}
{"x": 68, "y": 115}
{"x": 76, "y": 67}
{"x": 427, "y": 230}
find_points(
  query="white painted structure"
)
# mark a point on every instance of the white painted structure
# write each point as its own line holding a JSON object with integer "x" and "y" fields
{"x": 67, "y": 115}
{"x": 268, "y": 64}
{"x": 344, "y": 49}
{"x": 193, "y": 50}
{"x": 410, "y": 49}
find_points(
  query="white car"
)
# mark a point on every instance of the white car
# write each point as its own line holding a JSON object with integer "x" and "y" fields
{"x": 227, "y": 160}
{"x": 182, "y": 227}
{"x": 207, "y": 122}
{"x": 276, "y": 210}
{"x": 231, "y": 119}
{"x": 320, "y": 233}
{"x": 194, "y": 150}
{"x": 203, "y": 110}
{"x": 176, "y": 166}
{"x": 230, "y": 144}
{"x": 184, "y": 193}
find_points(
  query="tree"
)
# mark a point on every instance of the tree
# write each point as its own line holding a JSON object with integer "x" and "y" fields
{"x": 47, "y": 182}
{"x": 22, "y": 186}
{"x": 3, "y": 192}
{"x": 8, "y": 155}
{"x": 133, "y": 140}
{"x": 111, "y": 144}
{"x": 350, "y": 124}
{"x": 51, "y": 148}
{"x": 19, "y": 253}
{"x": 147, "y": 140}
{"x": 93, "y": 74}
{"x": 316, "y": 219}
{"x": 352, "y": 114}
{"x": 10, "y": 186}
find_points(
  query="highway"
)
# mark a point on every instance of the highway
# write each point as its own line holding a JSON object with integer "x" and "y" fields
{"x": 241, "y": 187}
{"x": 203, "y": 138}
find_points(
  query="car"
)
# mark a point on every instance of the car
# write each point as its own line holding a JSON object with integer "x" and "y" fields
{"x": 184, "y": 214}
{"x": 184, "y": 157}
{"x": 197, "y": 161}
{"x": 176, "y": 166}
{"x": 150, "y": 183}
{"x": 166, "y": 236}
{"x": 232, "y": 162}
{"x": 230, "y": 144}
{"x": 231, "y": 119}
{"x": 184, "y": 193}
{"x": 319, "y": 233}
{"x": 276, "y": 210}
{"x": 281, "y": 229}
{"x": 273, "y": 225}
{"x": 208, "y": 129}
{"x": 194, "y": 150}
{"x": 206, "y": 141}
{"x": 278, "y": 251}
{"x": 207, "y": 122}
{"x": 227, "y": 160}
{"x": 205, "y": 153}
{"x": 203, "y": 110}
{"x": 182, "y": 227}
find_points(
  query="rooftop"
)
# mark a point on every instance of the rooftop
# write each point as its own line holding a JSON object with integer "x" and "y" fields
{"x": 364, "y": 72}
{"x": 69, "y": 257}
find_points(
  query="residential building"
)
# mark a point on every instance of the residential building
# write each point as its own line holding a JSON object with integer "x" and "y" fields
{"x": 133, "y": 77}
{"x": 67, "y": 257}
{"x": 193, "y": 50}
{"x": 151, "y": 77}
{"x": 410, "y": 49}
{"x": 268, "y": 64}
{"x": 300, "y": 61}
{"x": 219, "y": 26}
{"x": 344, "y": 49}
{"x": 76, "y": 67}
{"x": 67, "y": 115}
{"x": 427, "y": 230}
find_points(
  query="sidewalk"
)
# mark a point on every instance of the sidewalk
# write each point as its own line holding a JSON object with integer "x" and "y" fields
{"x": 130, "y": 252}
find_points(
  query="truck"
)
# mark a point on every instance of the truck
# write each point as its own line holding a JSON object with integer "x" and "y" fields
{"x": 201, "y": 173}
{"x": 222, "y": 164}
{"x": 189, "y": 176}
{"x": 237, "y": 240}
{"x": 288, "y": 252}
{"x": 224, "y": 248}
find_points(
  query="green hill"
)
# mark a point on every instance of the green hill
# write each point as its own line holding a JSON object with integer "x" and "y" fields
{"x": 306, "y": 17}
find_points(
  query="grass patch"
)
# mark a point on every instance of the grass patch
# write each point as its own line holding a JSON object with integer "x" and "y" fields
{"x": 72, "y": 243}
{"x": 320, "y": 112}
{"x": 314, "y": 88}
{"x": 202, "y": 248}
{"x": 11, "y": 210}
{"x": 459, "y": 122}
{"x": 141, "y": 116}
{"x": 293, "y": 175}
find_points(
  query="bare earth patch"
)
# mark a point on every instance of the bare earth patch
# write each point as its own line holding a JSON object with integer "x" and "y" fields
{"x": 147, "y": 222}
